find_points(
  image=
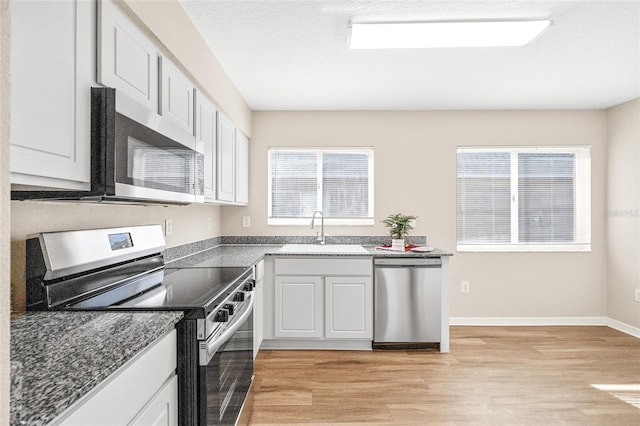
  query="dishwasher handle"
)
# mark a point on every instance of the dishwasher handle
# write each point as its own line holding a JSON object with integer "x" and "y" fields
{"x": 408, "y": 262}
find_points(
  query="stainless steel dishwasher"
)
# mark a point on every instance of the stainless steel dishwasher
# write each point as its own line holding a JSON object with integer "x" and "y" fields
{"x": 407, "y": 303}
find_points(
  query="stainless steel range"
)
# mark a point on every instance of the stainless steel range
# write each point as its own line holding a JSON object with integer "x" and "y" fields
{"x": 123, "y": 269}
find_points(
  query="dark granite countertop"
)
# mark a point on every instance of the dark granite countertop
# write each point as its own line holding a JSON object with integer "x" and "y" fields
{"x": 57, "y": 357}
{"x": 225, "y": 255}
{"x": 247, "y": 255}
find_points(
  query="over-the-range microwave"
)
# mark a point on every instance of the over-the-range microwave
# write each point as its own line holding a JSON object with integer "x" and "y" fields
{"x": 132, "y": 161}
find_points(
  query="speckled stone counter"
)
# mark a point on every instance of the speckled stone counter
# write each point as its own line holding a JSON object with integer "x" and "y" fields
{"x": 246, "y": 255}
{"x": 57, "y": 357}
{"x": 235, "y": 255}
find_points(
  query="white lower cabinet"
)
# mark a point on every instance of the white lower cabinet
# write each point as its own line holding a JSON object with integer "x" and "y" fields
{"x": 299, "y": 306}
{"x": 161, "y": 410}
{"x": 258, "y": 308}
{"x": 348, "y": 307}
{"x": 334, "y": 303}
{"x": 142, "y": 392}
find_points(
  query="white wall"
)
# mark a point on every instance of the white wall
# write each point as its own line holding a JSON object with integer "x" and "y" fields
{"x": 4, "y": 213}
{"x": 415, "y": 161}
{"x": 623, "y": 212}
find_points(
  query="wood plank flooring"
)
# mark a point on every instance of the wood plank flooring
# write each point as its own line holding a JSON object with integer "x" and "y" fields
{"x": 493, "y": 376}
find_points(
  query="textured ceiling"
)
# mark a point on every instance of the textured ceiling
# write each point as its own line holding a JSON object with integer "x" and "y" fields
{"x": 292, "y": 55}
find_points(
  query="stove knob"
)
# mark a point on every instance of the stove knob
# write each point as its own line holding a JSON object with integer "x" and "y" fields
{"x": 238, "y": 297}
{"x": 248, "y": 286}
{"x": 229, "y": 307}
{"x": 222, "y": 316}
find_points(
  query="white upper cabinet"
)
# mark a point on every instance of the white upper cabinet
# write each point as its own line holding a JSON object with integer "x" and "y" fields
{"x": 233, "y": 163}
{"x": 226, "y": 159}
{"x": 242, "y": 168}
{"x": 176, "y": 103}
{"x": 51, "y": 77}
{"x": 127, "y": 59}
{"x": 206, "y": 128}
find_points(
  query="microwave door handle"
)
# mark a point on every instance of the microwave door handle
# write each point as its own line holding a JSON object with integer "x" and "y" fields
{"x": 217, "y": 342}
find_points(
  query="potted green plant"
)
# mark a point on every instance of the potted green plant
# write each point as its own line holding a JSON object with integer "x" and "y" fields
{"x": 399, "y": 227}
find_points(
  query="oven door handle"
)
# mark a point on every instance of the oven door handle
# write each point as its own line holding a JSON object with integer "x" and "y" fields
{"x": 215, "y": 343}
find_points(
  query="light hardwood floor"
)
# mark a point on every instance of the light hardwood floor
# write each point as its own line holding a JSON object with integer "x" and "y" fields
{"x": 493, "y": 376}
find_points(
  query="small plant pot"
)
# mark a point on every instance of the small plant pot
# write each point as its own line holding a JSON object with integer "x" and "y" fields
{"x": 397, "y": 244}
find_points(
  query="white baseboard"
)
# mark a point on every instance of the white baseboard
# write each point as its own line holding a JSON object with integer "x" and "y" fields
{"x": 528, "y": 321}
{"x": 549, "y": 321}
{"x": 625, "y": 328}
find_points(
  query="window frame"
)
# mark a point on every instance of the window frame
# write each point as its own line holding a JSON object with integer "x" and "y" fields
{"x": 582, "y": 205}
{"x": 304, "y": 221}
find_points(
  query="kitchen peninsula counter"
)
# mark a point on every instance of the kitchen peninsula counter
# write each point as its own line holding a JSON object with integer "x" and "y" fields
{"x": 58, "y": 357}
{"x": 247, "y": 255}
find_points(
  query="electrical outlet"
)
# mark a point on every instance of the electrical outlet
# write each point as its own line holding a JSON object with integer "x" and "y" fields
{"x": 208, "y": 223}
{"x": 168, "y": 227}
{"x": 465, "y": 286}
{"x": 637, "y": 294}
{"x": 246, "y": 221}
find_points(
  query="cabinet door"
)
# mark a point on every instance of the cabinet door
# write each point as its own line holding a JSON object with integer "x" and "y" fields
{"x": 127, "y": 59}
{"x": 299, "y": 306}
{"x": 161, "y": 410}
{"x": 206, "y": 135}
{"x": 242, "y": 168}
{"x": 258, "y": 310}
{"x": 349, "y": 308}
{"x": 258, "y": 307}
{"x": 226, "y": 159}
{"x": 176, "y": 96}
{"x": 51, "y": 78}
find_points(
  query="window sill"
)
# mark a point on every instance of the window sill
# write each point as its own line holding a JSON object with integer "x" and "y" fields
{"x": 516, "y": 248}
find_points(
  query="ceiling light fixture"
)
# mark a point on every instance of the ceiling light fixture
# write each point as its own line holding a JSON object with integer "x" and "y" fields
{"x": 420, "y": 35}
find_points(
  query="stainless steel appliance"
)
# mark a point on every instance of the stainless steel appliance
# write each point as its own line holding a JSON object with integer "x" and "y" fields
{"x": 135, "y": 157}
{"x": 407, "y": 297}
{"x": 123, "y": 269}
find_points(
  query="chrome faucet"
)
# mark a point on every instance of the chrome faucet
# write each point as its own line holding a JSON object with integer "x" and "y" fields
{"x": 319, "y": 236}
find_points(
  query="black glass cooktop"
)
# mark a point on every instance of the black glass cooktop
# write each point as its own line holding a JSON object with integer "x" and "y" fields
{"x": 198, "y": 289}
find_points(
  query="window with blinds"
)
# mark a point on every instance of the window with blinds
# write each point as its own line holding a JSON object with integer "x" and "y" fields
{"x": 337, "y": 182}
{"x": 524, "y": 199}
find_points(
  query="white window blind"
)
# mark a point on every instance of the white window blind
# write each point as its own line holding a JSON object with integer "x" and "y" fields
{"x": 337, "y": 182}
{"x": 524, "y": 199}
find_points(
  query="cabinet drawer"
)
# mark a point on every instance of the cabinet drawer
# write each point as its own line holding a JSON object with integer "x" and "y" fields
{"x": 327, "y": 266}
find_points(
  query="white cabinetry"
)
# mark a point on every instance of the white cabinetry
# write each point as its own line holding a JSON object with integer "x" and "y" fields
{"x": 51, "y": 76}
{"x": 142, "y": 392}
{"x": 233, "y": 163}
{"x": 299, "y": 306}
{"x": 226, "y": 159}
{"x": 348, "y": 307}
{"x": 206, "y": 127}
{"x": 258, "y": 307}
{"x": 176, "y": 104}
{"x": 323, "y": 298}
{"x": 127, "y": 59}
{"x": 242, "y": 168}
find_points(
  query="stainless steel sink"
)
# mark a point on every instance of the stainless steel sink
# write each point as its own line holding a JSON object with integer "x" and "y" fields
{"x": 323, "y": 249}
